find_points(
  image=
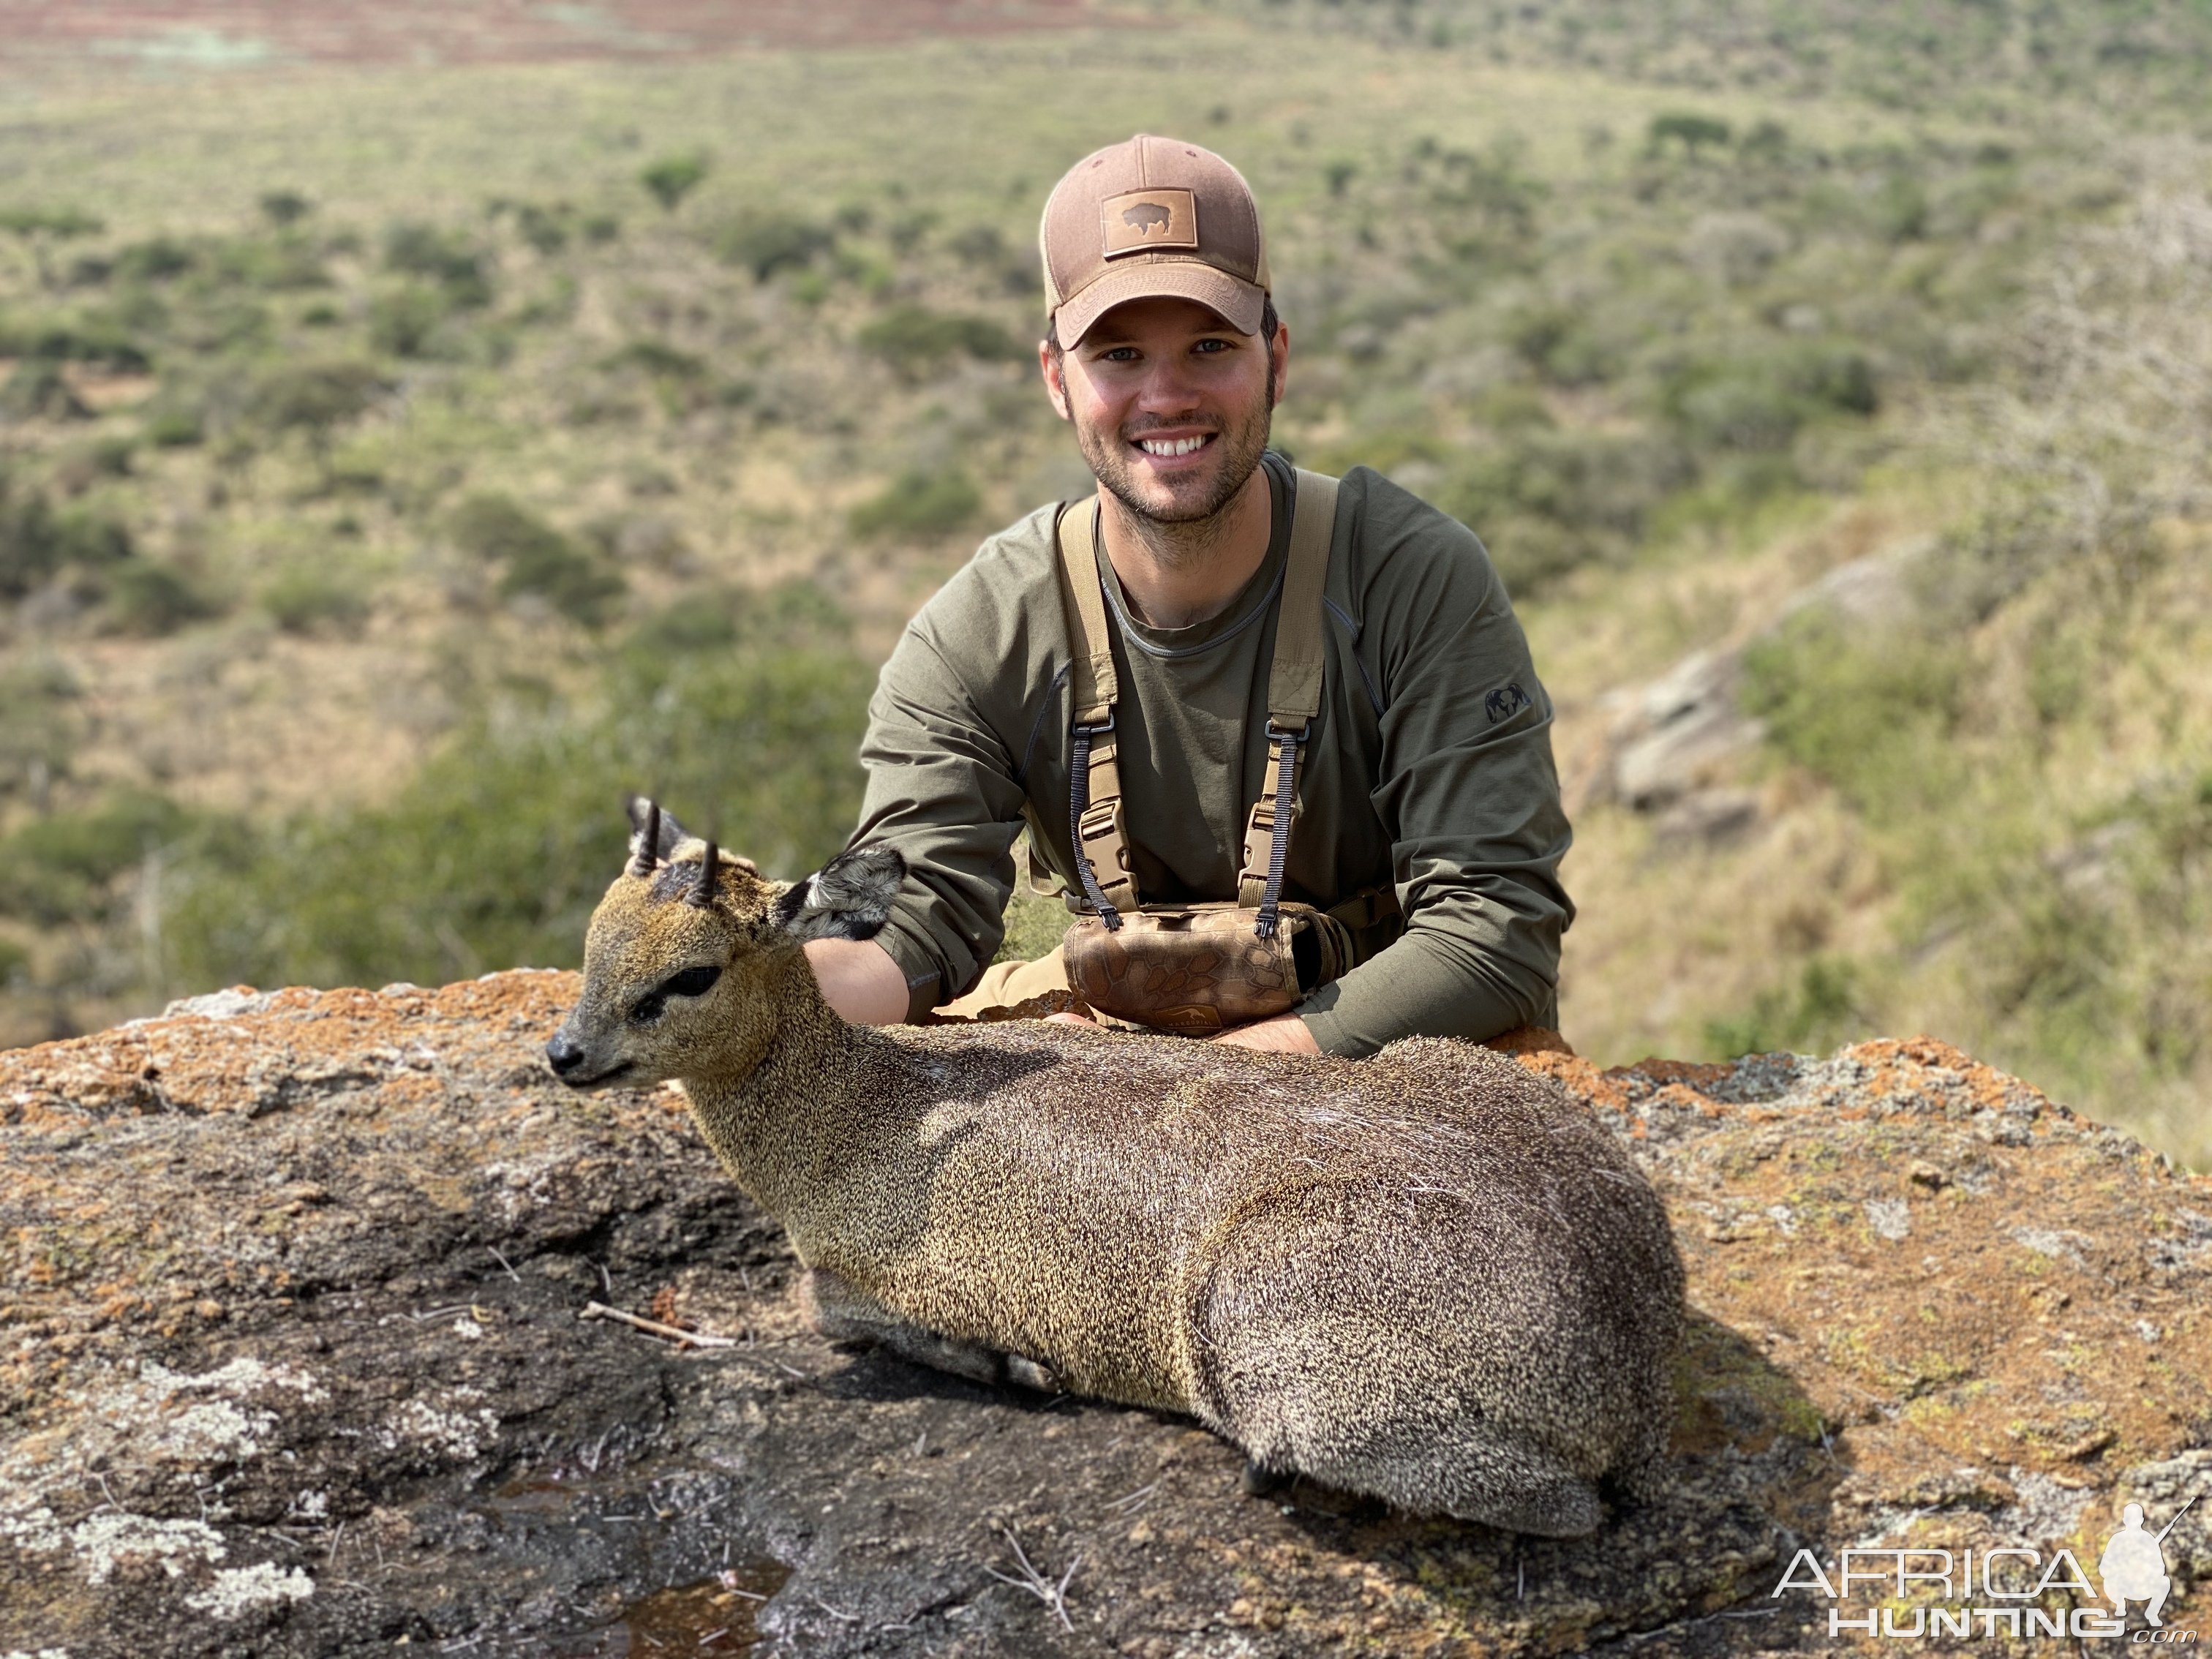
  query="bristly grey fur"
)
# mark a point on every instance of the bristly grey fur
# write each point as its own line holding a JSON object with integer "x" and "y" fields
{"x": 849, "y": 897}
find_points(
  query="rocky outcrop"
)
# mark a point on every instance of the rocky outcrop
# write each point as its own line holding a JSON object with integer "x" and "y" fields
{"x": 292, "y": 1362}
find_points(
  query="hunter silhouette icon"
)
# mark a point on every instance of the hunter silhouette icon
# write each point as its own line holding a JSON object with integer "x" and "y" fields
{"x": 1146, "y": 217}
{"x": 2134, "y": 1565}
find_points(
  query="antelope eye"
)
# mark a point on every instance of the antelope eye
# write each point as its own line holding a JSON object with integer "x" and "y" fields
{"x": 691, "y": 982}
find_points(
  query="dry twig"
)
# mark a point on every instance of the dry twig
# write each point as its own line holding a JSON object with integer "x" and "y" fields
{"x": 1053, "y": 1595}
{"x": 655, "y": 1328}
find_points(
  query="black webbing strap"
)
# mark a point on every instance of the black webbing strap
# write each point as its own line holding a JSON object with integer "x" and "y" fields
{"x": 1079, "y": 801}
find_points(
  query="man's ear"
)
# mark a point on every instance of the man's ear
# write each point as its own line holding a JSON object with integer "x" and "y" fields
{"x": 640, "y": 816}
{"x": 1055, "y": 378}
{"x": 849, "y": 897}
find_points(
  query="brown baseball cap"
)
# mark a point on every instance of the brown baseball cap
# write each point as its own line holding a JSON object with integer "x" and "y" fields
{"x": 1152, "y": 216}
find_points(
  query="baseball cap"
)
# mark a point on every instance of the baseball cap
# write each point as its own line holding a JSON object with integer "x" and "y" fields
{"x": 1149, "y": 217}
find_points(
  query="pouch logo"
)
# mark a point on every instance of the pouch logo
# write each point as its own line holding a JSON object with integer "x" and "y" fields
{"x": 1505, "y": 703}
{"x": 1143, "y": 219}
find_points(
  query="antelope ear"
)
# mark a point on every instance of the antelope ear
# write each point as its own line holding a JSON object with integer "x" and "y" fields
{"x": 640, "y": 819}
{"x": 849, "y": 897}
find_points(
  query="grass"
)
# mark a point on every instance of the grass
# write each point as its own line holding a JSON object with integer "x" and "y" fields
{"x": 388, "y": 500}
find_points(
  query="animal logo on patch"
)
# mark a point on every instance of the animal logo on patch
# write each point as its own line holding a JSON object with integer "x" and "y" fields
{"x": 1505, "y": 701}
{"x": 1138, "y": 221}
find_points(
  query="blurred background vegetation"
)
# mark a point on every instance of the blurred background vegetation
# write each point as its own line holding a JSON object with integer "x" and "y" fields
{"x": 398, "y": 465}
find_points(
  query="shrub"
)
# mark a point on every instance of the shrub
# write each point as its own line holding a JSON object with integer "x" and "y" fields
{"x": 913, "y": 338}
{"x": 37, "y": 391}
{"x": 153, "y": 599}
{"x": 919, "y": 503}
{"x": 285, "y": 207}
{"x": 64, "y": 868}
{"x": 311, "y": 599}
{"x": 1821, "y": 1011}
{"x": 157, "y": 259}
{"x": 545, "y": 229}
{"x": 672, "y": 178}
{"x": 536, "y": 558}
{"x": 1872, "y": 716}
{"x": 314, "y": 397}
{"x": 173, "y": 428}
{"x": 768, "y": 242}
{"x": 1691, "y": 131}
{"x": 404, "y": 322}
{"x": 449, "y": 259}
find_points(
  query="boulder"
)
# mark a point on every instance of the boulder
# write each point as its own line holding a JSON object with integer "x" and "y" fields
{"x": 293, "y": 1360}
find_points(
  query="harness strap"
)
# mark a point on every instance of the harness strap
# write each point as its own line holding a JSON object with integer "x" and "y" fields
{"x": 1097, "y": 831}
{"x": 1294, "y": 686}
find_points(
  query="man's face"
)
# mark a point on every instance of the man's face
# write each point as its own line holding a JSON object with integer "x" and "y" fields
{"x": 1170, "y": 405}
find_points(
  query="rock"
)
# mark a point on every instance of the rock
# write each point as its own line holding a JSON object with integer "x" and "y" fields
{"x": 291, "y": 1363}
{"x": 1675, "y": 738}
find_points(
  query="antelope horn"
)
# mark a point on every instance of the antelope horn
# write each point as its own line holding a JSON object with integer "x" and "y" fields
{"x": 710, "y": 866}
{"x": 649, "y": 846}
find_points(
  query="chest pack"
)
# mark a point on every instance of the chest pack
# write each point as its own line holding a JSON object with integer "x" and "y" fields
{"x": 1199, "y": 969}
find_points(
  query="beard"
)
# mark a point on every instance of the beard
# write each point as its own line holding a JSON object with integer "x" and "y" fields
{"x": 1184, "y": 524}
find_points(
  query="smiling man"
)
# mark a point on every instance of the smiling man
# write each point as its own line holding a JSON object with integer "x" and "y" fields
{"x": 1427, "y": 817}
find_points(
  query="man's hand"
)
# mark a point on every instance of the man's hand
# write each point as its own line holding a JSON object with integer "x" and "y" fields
{"x": 1285, "y": 1034}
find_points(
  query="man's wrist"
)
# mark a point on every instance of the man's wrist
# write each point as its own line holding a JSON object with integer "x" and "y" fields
{"x": 859, "y": 980}
{"x": 1285, "y": 1034}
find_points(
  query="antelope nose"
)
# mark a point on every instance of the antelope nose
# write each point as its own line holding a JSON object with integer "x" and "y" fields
{"x": 563, "y": 1053}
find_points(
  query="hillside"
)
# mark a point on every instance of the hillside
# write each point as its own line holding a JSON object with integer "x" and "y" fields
{"x": 398, "y": 463}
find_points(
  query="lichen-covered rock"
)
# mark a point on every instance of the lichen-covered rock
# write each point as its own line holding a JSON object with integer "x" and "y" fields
{"x": 291, "y": 1363}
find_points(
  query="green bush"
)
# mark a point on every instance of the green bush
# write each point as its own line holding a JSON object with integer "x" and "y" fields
{"x": 536, "y": 559}
{"x": 404, "y": 322}
{"x": 285, "y": 207}
{"x": 173, "y": 428}
{"x": 447, "y": 258}
{"x": 545, "y": 228}
{"x": 314, "y": 397}
{"x": 36, "y": 543}
{"x": 1692, "y": 132}
{"x": 37, "y": 391}
{"x": 64, "y": 868}
{"x": 151, "y": 599}
{"x": 311, "y": 598}
{"x": 157, "y": 259}
{"x": 919, "y": 503}
{"x": 913, "y": 338}
{"x": 672, "y": 178}
{"x": 1871, "y": 713}
{"x": 98, "y": 336}
{"x": 1820, "y": 1011}
{"x": 766, "y": 243}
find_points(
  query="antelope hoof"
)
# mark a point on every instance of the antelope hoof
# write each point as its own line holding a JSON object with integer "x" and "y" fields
{"x": 1027, "y": 1374}
{"x": 1261, "y": 1481}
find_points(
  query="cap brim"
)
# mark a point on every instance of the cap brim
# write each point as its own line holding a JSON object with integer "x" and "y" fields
{"x": 1237, "y": 302}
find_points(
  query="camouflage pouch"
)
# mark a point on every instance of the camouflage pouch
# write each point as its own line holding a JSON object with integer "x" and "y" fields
{"x": 1198, "y": 969}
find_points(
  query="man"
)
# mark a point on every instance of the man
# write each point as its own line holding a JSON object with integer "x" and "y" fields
{"x": 1427, "y": 789}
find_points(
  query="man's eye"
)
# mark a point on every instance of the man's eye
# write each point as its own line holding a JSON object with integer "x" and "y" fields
{"x": 1212, "y": 345}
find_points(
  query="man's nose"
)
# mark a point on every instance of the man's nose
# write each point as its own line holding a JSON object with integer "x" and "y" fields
{"x": 563, "y": 1053}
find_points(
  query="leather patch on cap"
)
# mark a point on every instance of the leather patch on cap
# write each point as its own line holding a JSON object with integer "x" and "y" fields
{"x": 1145, "y": 219}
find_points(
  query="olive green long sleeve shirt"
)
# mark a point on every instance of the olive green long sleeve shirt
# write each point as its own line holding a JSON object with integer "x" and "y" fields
{"x": 1429, "y": 769}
